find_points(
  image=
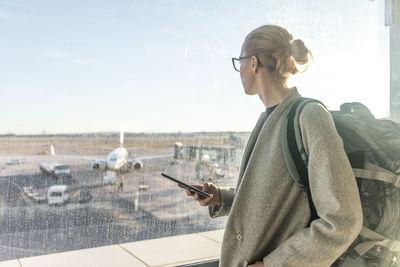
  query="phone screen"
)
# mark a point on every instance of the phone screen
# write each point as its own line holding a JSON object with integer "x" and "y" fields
{"x": 193, "y": 189}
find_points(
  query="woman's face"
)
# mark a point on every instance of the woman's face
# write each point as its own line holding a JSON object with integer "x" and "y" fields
{"x": 247, "y": 75}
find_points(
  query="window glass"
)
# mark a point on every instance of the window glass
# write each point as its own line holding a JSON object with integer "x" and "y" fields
{"x": 80, "y": 79}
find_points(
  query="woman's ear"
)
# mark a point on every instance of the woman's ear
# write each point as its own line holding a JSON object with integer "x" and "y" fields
{"x": 255, "y": 64}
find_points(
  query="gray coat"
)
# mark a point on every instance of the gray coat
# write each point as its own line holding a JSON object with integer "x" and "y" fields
{"x": 268, "y": 212}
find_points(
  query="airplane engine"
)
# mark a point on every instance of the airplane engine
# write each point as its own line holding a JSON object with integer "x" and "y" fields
{"x": 137, "y": 165}
{"x": 96, "y": 165}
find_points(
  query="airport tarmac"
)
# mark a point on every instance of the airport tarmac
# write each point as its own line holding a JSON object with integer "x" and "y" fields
{"x": 158, "y": 209}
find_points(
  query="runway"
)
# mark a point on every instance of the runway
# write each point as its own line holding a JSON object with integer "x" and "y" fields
{"x": 28, "y": 228}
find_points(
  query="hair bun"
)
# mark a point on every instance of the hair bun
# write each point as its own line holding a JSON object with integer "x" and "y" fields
{"x": 277, "y": 50}
{"x": 299, "y": 51}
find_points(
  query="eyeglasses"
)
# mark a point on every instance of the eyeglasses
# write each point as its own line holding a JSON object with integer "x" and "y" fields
{"x": 236, "y": 62}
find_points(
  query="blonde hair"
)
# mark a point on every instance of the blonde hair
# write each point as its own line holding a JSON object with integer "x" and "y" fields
{"x": 276, "y": 49}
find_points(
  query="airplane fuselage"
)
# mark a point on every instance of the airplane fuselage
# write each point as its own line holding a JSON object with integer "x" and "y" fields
{"x": 117, "y": 159}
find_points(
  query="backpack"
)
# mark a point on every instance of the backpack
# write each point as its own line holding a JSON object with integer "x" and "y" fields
{"x": 373, "y": 148}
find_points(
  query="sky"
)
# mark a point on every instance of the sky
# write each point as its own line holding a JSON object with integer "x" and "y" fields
{"x": 82, "y": 66}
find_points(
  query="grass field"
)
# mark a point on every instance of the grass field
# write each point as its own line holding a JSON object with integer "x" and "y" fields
{"x": 94, "y": 144}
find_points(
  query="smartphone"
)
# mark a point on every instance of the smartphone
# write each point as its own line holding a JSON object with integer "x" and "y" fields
{"x": 201, "y": 193}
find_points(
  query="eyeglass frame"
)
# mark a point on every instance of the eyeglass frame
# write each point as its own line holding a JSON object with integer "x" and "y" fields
{"x": 240, "y": 58}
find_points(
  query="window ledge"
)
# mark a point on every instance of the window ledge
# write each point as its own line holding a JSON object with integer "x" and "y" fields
{"x": 183, "y": 250}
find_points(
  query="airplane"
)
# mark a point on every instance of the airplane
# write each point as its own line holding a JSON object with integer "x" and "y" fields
{"x": 118, "y": 159}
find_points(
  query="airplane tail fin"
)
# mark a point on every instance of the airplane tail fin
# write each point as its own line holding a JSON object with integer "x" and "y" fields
{"x": 52, "y": 152}
{"x": 121, "y": 137}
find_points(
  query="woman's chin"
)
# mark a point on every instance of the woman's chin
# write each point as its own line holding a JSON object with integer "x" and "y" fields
{"x": 249, "y": 92}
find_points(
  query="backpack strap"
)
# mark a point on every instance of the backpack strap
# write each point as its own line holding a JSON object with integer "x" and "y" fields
{"x": 295, "y": 155}
{"x": 376, "y": 240}
{"x": 372, "y": 171}
{"x": 293, "y": 150}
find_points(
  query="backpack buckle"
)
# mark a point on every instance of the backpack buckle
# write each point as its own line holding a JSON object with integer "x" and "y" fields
{"x": 397, "y": 182}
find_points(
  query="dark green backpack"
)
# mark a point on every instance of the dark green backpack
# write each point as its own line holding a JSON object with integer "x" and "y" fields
{"x": 373, "y": 148}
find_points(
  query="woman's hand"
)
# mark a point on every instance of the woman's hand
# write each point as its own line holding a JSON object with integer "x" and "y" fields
{"x": 257, "y": 264}
{"x": 213, "y": 200}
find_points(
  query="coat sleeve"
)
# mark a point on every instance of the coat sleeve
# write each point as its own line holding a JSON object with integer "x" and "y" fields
{"x": 334, "y": 193}
{"x": 227, "y": 196}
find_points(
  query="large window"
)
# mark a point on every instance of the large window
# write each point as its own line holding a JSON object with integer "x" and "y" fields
{"x": 77, "y": 74}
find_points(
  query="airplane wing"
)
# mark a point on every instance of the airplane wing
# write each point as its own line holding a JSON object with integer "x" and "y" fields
{"x": 84, "y": 158}
{"x": 53, "y": 153}
{"x": 149, "y": 157}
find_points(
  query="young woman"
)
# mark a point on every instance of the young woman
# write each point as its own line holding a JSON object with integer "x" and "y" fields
{"x": 268, "y": 214}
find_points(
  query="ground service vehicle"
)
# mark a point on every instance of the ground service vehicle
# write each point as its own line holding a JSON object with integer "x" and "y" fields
{"x": 57, "y": 194}
{"x": 55, "y": 169}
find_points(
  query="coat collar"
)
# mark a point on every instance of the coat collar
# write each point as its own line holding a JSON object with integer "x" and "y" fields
{"x": 280, "y": 109}
{"x": 273, "y": 118}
